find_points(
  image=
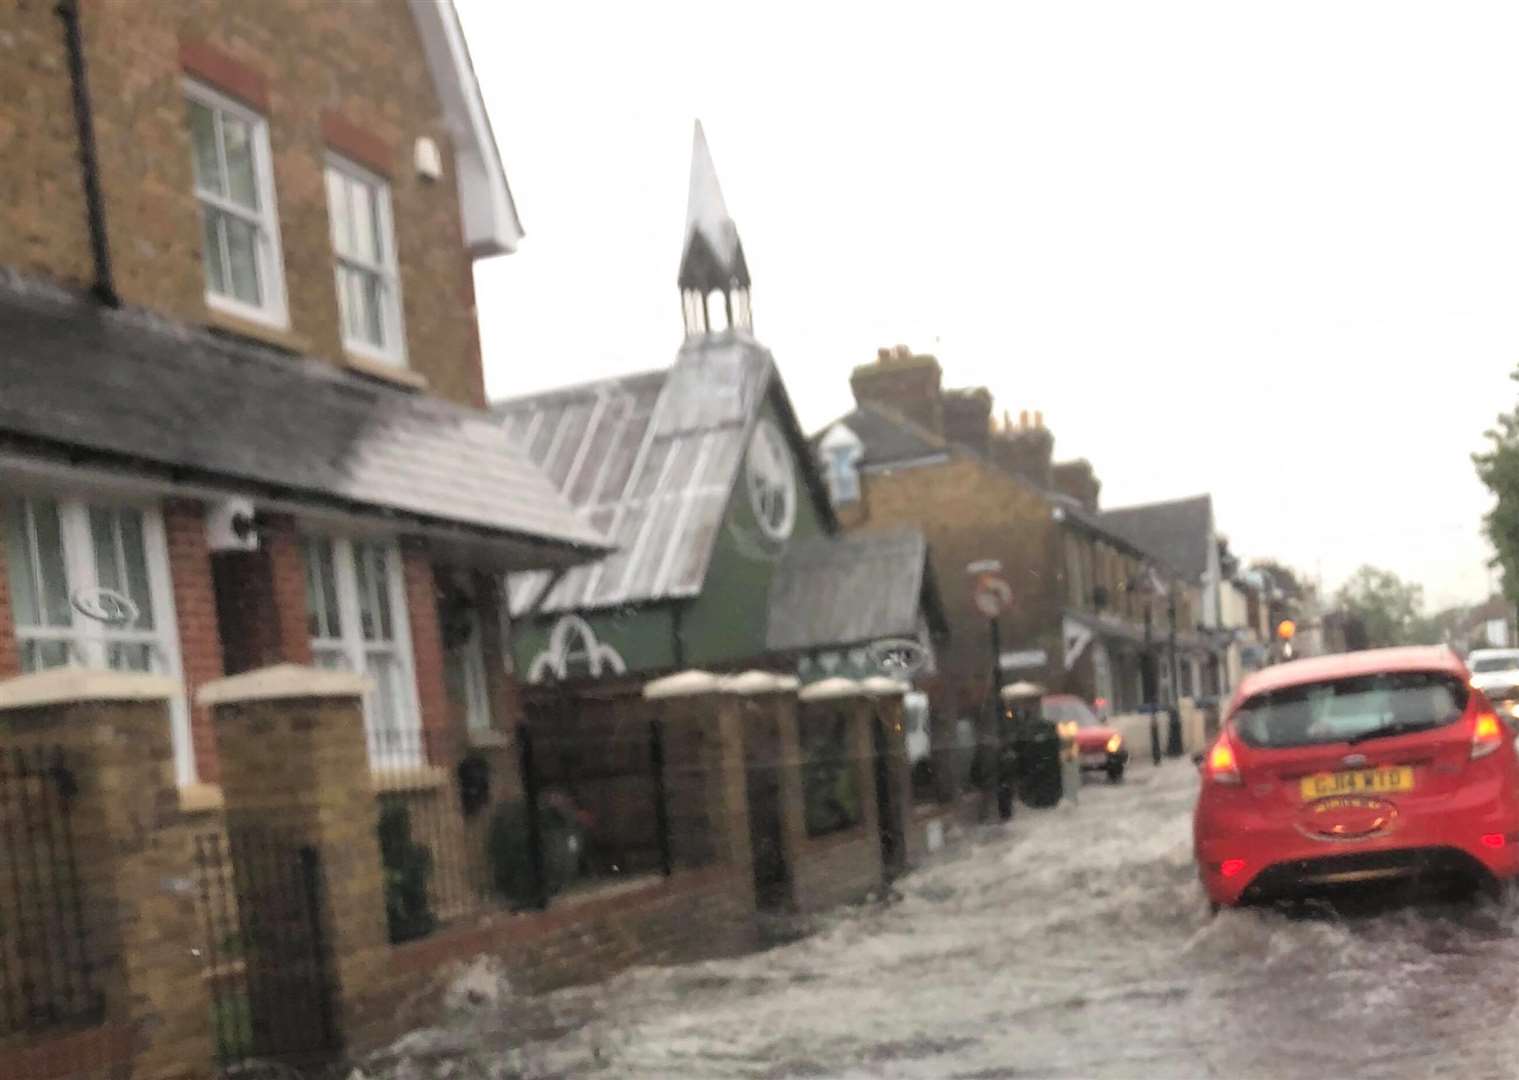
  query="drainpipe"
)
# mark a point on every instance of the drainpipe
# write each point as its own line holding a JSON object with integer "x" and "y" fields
{"x": 89, "y": 165}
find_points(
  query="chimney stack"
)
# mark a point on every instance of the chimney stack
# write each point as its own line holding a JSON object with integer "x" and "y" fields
{"x": 1078, "y": 480}
{"x": 906, "y": 383}
{"x": 968, "y": 418}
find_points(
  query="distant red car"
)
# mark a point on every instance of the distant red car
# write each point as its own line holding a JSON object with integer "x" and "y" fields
{"x": 1365, "y": 766}
{"x": 1101, "y": 747}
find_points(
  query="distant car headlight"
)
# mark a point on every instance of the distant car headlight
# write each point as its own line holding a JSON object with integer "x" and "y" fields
{"x": 1114, "y": 743}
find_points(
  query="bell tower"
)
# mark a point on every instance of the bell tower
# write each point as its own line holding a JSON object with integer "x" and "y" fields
{"x": 714, "y": 278}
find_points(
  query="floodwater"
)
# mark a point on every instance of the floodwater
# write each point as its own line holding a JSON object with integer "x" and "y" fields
{"x": 1071, "y": 943}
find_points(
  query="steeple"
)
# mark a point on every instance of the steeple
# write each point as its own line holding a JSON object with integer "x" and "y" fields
{"x": 714, "y": 278}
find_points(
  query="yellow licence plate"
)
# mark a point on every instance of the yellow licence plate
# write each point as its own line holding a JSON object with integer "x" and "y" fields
{"x": 1359, "y": 782}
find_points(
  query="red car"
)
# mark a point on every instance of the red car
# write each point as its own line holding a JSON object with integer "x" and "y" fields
{"x": 1365, "y": 766}
{"x": 1101, "y": 747}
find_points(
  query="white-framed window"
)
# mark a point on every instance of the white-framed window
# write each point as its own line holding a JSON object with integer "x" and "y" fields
{"x": 356, "y": 615}
{"x": 90, "y": 587}
{"x": 364, "y": 262}
{"x": 234, "y": 184}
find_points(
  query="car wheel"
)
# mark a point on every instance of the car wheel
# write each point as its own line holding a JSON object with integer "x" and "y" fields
{"x": 1115, "y": 774}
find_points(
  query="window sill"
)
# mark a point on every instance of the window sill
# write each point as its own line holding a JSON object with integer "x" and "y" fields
{"x": 411, "y": 778}
{"x": 391, "y": 373}
{"x": 264, "y": 333}
{"x": 201, "y": 799}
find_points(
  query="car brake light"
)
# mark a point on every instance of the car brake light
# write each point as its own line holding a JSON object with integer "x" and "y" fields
{"x": 1231, "y": 867}
{"x": 1114, "y": 743}
{"x": 1487, "y": 734}
{"x": 1222, "y": 766}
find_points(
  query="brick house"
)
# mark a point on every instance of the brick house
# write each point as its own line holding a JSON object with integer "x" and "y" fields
{"x": 915, "y": 452}
{"x": 241, "y": 393}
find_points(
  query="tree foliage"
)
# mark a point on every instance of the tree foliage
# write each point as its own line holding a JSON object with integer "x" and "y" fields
{"x": 1498, "y": 468}
{"x": 1388, "y": 609}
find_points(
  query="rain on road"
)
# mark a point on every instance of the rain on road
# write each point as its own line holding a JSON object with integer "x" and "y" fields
{"x": 1071, "y": 943}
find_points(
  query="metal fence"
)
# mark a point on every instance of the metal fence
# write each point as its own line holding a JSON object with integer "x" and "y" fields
{"x": 48, "y": 962}
{"x": 266, "y": 963}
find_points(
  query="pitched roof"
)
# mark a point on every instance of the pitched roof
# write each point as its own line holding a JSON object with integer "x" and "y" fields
{"x": 650, "y": 459}
{"x": 124, "y": 387}
{"x": 888, "y": 437}
{"x": 1177, "y": 532}
{"x": 858, "y": 587}
{"x": 487, "y": 211}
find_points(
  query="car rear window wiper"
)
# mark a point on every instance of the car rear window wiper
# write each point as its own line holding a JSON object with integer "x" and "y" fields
{"x": 1403, "y": 728}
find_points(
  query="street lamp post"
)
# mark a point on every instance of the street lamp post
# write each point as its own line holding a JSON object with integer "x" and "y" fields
{"x": 1147, "y": 677}
{"x": 1173, "y": 734}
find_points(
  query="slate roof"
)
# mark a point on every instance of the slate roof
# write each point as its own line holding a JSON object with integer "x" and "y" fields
{"x": 649, "y": 459}
{"x": 1176, "y": 532}
{"x": 863, "y": 586}
{"x": 888, "y": 437}
{"x": 124, "y": 387}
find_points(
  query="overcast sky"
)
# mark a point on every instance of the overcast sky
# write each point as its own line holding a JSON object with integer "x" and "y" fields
{"x": 1266, "y": 251}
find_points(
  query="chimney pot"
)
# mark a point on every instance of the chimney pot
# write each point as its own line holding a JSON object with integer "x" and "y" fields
{"x": 1023, "y": 419}
{"x": 904, "y": 353}
{"x": 1038, "y": 419}
{"x": 883, "y": 353}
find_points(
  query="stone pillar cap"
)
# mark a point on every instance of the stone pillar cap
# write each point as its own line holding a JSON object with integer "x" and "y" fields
{"x": 828, "y": 689}
{"x": 881, "y": 686}
{"x": 282, "y": 681}
{"x": 61, "y": 686}
{"x": 1019, "y": 690}
{"x": 683, "y": 684}
{"x": 759, "y": 682}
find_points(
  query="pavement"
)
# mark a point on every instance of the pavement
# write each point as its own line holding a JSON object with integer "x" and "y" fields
{"x": 1072, "y": 942}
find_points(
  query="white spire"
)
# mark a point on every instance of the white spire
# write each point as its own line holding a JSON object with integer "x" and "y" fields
{"x": 706, "y": 212}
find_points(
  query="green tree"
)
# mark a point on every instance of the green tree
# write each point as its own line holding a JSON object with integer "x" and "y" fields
{"x": 1389, "y": 608}
{"x": 1498, "y": 468}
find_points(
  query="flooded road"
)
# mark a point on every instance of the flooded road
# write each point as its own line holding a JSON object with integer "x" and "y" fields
{"x": 1073, "y": 942}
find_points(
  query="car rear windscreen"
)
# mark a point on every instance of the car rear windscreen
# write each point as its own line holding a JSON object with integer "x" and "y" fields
{"x": 1485, "y": 664}
{"x": 1339, "y": 710}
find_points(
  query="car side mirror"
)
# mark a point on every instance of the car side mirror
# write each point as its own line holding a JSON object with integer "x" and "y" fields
{"x": 1198, "y": 759}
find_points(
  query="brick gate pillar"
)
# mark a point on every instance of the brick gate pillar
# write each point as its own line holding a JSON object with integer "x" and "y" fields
{"x": 105, "y": 800}
{"x": 294, "y": 758}
{"x": 705, "y": 793}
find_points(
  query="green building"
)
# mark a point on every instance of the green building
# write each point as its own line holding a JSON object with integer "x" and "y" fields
{"x": 726, "y": 547}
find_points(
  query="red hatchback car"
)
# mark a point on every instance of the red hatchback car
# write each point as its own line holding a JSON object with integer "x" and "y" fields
{"x": 1100, "y": 747}
{"x": 1364, "y": 766}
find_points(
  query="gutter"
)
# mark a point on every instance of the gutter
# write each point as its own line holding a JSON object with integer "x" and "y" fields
{"x": 104, "y": 287}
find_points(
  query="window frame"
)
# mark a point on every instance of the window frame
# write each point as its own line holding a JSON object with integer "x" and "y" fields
{"x": 388, "y": 268}
{"x": 275, "y": 310}
{"x": 355, "y": 648}
{"x": 91, "y": 638}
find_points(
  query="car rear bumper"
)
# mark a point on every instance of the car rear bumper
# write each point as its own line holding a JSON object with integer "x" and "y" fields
{"x": 1281, "y": 863}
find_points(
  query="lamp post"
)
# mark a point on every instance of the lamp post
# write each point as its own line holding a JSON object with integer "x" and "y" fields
{"x": 1173, "y": 733}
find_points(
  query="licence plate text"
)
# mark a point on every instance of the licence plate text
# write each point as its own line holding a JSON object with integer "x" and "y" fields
{"x": 1358, "y": 782}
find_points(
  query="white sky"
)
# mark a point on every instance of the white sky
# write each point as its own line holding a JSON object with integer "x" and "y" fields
{"x": 1268, "y": 251}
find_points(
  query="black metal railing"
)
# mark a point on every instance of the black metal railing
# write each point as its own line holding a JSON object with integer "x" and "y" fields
{"x": 265, "y": 957}
{"x": 48, "y": 967}
{"x": 432, "y": 871}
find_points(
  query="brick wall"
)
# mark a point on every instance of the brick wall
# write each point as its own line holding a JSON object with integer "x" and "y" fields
{"x": 261, "y": 599}
{"x": 426, "y": 641}
{"x": 971, "y": 510}
{"x": 692, "y": 915}
{"x": 200, "y": 646}
{"x": 350, "y": 74}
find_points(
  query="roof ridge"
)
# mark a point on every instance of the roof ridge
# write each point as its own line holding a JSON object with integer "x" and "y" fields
{"x": 905, "y": 422}
{"x": 1204, "y": 497}
{"x": 497, "y": 405}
